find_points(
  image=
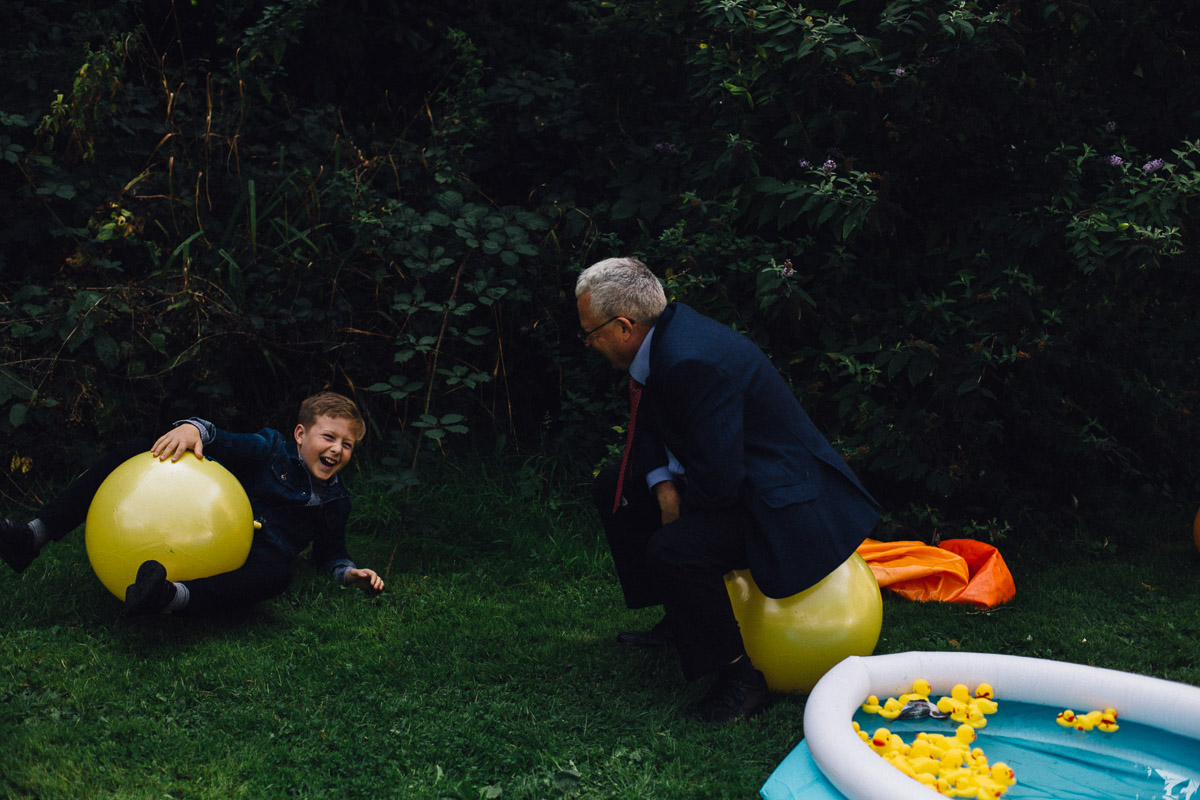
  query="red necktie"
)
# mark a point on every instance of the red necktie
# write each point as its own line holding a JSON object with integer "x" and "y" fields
{"x": 635, "y": 396}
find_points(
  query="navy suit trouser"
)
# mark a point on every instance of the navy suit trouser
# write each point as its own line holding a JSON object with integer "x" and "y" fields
{"x": 680, "y": 566}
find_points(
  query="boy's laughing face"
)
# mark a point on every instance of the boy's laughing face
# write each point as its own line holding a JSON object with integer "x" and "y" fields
{"x": 325, "y": 446}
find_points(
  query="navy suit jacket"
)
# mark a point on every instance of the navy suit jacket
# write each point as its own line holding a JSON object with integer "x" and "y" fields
{"x": 743, "y": 439}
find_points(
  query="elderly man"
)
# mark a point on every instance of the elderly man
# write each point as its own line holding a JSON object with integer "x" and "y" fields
{"x": 723, "y": 470}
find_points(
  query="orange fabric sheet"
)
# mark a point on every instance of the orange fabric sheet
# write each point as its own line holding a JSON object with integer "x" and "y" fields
{"x": 958, "y": 571}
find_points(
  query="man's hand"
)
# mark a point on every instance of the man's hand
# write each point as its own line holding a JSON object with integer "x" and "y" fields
{"x": 365, "y": 579}
{"x": 174, "y": 443}
{"x": 668, "y": 500}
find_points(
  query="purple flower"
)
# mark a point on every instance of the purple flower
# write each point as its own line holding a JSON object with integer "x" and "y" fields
{"x": 1110, "y": 126}
{"x": 1153, "y": 165}
{"x": 900, "y": 73}
{"x": 668, "y": 148}
{"x": 804, "y": 163}
{"x": 1115, "y": 161}
{"x": 829, "y": 166}
{"x": 788, "y": 270}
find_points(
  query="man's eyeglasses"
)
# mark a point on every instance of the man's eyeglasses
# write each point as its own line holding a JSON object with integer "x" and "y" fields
{"x": 586, "y": 336}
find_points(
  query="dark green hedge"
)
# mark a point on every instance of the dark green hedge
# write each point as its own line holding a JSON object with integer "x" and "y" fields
{"x": 964, "y": 231}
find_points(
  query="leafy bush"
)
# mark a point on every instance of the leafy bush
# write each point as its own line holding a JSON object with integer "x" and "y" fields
{"x": 951, "y": 224}
{"x": 241, "y": 252}
{"x": 989, "y": 316}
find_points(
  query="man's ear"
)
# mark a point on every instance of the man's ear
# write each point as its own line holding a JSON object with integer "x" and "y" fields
{"x": 298, "y": 435}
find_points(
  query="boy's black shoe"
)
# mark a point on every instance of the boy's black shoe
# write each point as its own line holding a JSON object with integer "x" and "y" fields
{"x": 150, "y": 593}
{"x": 16, "y": 544}
{"x": 736, "y": 694}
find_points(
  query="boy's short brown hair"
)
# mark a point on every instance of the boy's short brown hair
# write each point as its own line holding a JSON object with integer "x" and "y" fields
{"x": 332, "y": 404}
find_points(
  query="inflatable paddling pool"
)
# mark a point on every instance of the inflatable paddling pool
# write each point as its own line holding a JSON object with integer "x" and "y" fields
{"x": 1157, "y": 744}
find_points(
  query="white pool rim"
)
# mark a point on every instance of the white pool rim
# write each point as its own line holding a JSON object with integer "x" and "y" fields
{"x": 858, "y": 773}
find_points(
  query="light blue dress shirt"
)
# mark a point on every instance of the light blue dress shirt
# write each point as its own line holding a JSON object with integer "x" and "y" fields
{"x": 639, "y": 370}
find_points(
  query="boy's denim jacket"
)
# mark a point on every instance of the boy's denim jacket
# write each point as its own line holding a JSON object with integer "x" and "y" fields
{"x": 281, "y": 492}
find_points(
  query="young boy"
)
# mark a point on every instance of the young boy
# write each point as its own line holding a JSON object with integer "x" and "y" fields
{"x": 293, "y": 488}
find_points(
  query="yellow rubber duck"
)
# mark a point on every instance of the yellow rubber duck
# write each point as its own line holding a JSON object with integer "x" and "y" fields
{"x": 948, "y": 705}
{"x": 929, "y": 779}
{"x": 957, "y": 703}
{"x": 1003, "y": 774}
{"x": 975, "y": 717}
{"x": 920, "y": 691}
{"x": 891, "y": 708}
{"x": 940, "y": 744}
{"x": 964, "y": 784}
{"x": 996, "y": 782}
{"x": 1108, "y": 721}
{"x": 872, "y": 705}
{"x": 1066, "y": 719}
{"x": 895, "y": 746}
{"x": 963, "y": 736}
{"x": 977, "y": 761}
{"x": 884, "y": 741}
{"x": 984, "y": 699}
{"x": 951, "y": 763}
{"x": 900, "y": 762}
{"x": 929, "y": 744}
{"x": 921, "y": 747}
{"x": 924, "y": 765}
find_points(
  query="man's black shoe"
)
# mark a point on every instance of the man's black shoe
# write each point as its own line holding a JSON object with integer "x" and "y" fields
{"x": 150, "y": 592}
{"x": 733, "y": 697}
{"x": 16, "y": 544}
{"x": 658, "y": 636}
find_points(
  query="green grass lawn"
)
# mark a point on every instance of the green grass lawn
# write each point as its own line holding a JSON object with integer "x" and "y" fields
{"x": 487, "y": 669}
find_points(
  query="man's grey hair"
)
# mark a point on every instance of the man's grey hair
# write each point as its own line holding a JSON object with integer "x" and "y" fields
{"x": 622, "y": 287}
